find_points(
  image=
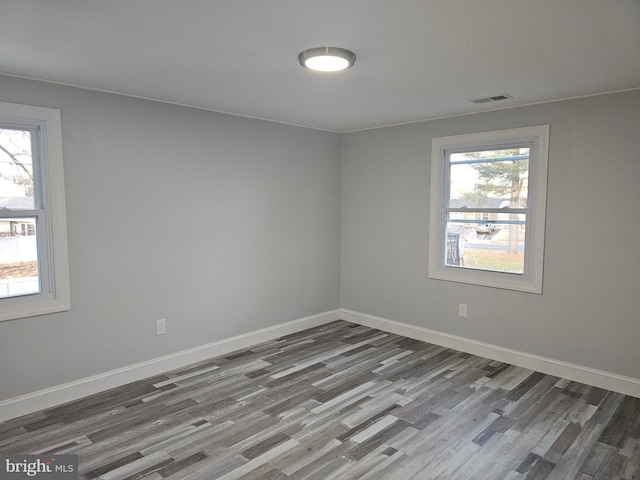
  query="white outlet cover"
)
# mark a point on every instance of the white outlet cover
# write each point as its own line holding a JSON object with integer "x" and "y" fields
{"x": 161, "y": 327}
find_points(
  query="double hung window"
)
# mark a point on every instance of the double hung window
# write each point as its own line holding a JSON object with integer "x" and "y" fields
{"x": 488, "y": 196}
{"x": 33, "y": 245}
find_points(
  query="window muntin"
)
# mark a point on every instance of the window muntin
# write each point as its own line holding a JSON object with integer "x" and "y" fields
{"x": 488, "y": 196}
{"x": 33, "y": 245}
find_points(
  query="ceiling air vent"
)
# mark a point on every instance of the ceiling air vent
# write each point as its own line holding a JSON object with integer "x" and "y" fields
{"x": 492, "y": 98}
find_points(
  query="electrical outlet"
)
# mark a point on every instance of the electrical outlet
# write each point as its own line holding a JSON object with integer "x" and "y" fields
{"x": 462, "y": 310}
{"x": 161, "y": 326}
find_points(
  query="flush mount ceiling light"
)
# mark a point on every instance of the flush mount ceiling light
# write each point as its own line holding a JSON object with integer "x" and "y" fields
{"x": 327, "y": 59}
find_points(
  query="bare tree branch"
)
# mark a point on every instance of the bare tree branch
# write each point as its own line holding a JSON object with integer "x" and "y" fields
{"x": 15, "y": 160}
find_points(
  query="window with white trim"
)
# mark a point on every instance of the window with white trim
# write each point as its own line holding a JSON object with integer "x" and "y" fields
{"x": 34, "y": 278}
{"x": 488, "y": 200}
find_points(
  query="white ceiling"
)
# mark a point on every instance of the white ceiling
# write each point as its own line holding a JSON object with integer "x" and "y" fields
{"x": 416, "y": 59}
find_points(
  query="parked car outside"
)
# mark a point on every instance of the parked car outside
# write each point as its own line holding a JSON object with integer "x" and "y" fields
{"x": 485, "y": 229}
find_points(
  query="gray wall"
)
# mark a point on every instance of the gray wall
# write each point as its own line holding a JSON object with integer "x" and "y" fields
{"x": 222, "y": 225}
{"x": 589, "y": 313}
{"x": 225, "y": 225}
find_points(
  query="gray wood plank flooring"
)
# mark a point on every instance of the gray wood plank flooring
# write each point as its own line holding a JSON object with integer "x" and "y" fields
{"x": 343, "y": 401}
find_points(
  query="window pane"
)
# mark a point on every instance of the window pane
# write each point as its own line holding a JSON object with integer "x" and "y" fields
{"x": 489, "y": 179}
{"x": 16, "y": 170}
{"x": 486, "y": 246}
{"x": 18, "y": 257}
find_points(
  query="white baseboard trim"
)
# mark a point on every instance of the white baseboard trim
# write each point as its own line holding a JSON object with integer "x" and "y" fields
{"x": 549, "y": 366}
{"x": 50, "y": 397}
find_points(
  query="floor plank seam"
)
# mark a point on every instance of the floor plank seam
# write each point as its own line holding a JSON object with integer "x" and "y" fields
{"x": 342, "y": 401}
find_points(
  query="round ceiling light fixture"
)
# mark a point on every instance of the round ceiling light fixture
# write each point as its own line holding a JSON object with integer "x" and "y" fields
{"x": 327, "y": 59}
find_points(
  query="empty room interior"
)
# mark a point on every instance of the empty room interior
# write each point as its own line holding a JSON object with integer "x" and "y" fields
{"x": 218, "y": 262}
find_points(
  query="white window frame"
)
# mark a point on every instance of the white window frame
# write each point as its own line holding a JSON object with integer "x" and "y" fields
{"x": 531, "y": 279}
{"x": 53, "y": 261}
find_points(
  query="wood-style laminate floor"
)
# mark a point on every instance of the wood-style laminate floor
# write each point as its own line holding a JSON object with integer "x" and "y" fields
{"x": 343, "y": 401}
